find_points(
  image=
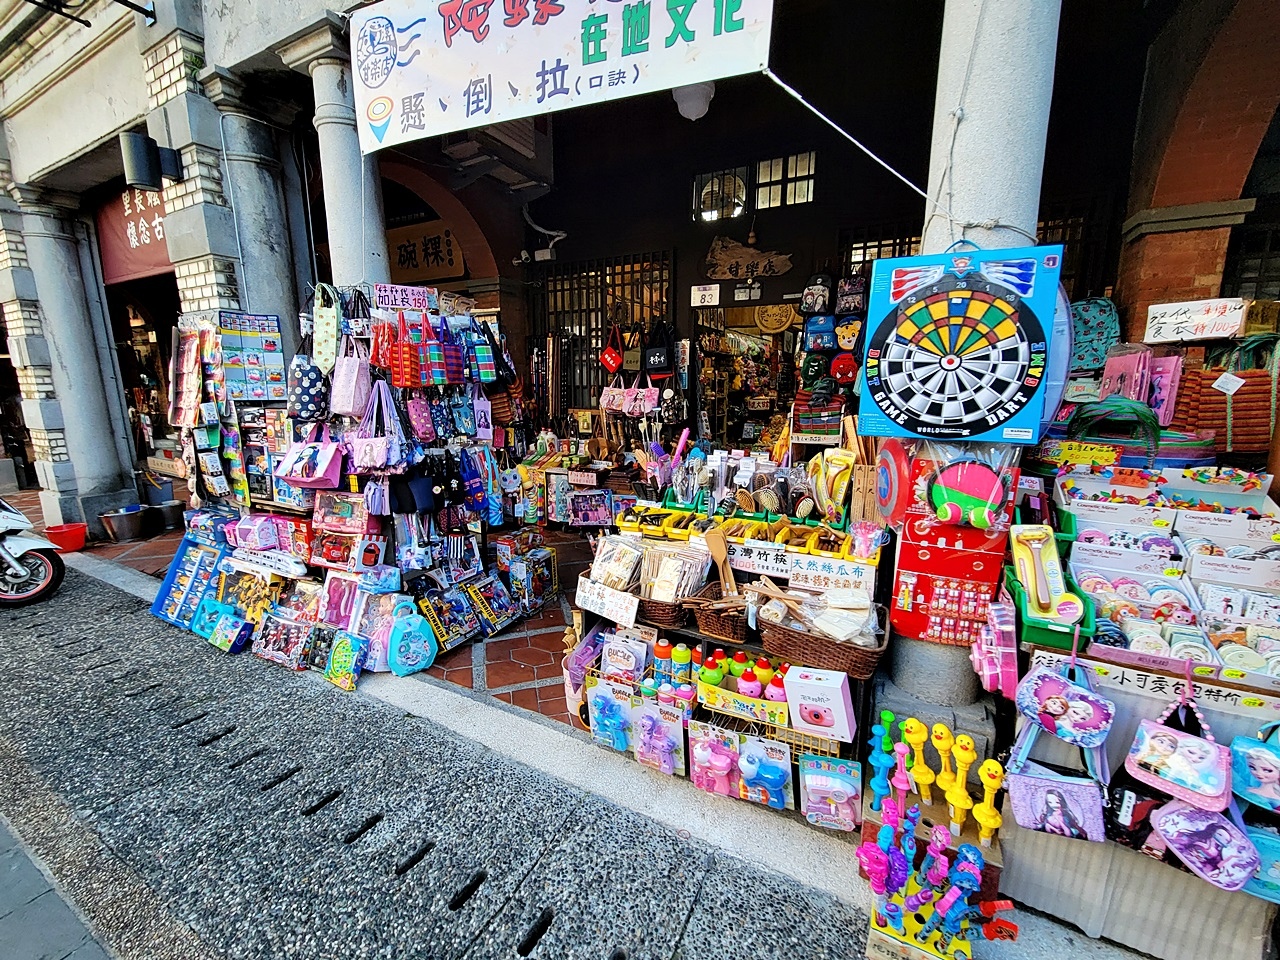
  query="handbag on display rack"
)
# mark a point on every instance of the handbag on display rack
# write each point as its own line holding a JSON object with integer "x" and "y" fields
{"x": 326, "y": 325}
{"x": 378, "y": 443}
{"x": 1187, "y": 766}
{"x": 351, "y": 380}
{"x": 661, "y": 349}
{"x": 419, "y": 409}
{"x": 1255, "y": 768}
{"x": 1216, "y": 849}
{"x": 464, "y": 414}
{"x": 312, "y": 463}
{"x": 308, "y": 388}
{"x": 441, "y": 414}
{"x": 633, "y": 358}
{"x": 454, "y": 363}
{"x": 412, "y": 644}
{"x": 483, "y": 361}
{"x": 1070, "y": 711}
{"x": 611, "y": 357}
{"x": 407, "y": 358}
{"x": 382, "y": 337}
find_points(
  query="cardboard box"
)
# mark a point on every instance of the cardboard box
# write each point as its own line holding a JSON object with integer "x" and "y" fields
{"x": 820, "y": 703}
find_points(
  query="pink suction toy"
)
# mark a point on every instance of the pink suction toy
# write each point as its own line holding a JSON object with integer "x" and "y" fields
{"x": 875, "y": 862}
{"x": 901, "y": 780}
{"x": 890, "y": 817}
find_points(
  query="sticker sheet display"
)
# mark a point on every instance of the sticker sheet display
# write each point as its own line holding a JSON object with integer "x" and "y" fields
{"x": 957, "y": 344}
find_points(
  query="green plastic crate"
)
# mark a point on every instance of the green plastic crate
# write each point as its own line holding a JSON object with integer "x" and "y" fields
{"x": 1047, "y": 633}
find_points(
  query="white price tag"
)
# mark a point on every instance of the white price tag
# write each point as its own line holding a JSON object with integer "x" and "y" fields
{"x": 1228, "y": 383}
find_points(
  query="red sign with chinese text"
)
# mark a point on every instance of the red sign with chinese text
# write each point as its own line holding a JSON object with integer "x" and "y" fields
{"x": 131, "y": 237}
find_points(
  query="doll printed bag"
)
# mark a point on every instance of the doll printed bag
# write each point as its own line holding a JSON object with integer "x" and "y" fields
{"x": 1183, "y": 765}
{"x": 378, "y": 443}
{"x": 1265, "y": 884}
{"x": 1211, "y": 846}
{"x": 441, "y": 416}
{"x": 315, "y": 462}
{"x": 1255, "y": 769}
{"x": 1067, "y": 710}
{"x": 613, "y": 396}
{"x": 1058, "y": 802}
{"x": 820, "y": 334}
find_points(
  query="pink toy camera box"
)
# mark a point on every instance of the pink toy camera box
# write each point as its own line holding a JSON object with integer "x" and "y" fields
{"x": 820, "y": 703}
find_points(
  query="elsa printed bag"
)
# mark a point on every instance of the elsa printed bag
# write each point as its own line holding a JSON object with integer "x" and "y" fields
{"x": 1070, "y": 711}
{"x": 1195, "y": 769}
{"x": 1255, "y": 769}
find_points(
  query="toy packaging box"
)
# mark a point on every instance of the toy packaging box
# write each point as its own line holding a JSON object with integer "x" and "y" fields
{"x": 659, "y": 738}
{"x": 534, "y": 578}
{"x": 764, "y": 773}
{"x": 820, "y": 703}
{"x": 831, "y": 792}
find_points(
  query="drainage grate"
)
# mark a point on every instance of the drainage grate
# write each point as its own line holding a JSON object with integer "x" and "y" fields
{"x": 237, "y": 764}
{"x": 104, "y": 663}
{"x": 415, "y": 858}
{"x": 369, "y": 823}
{"x": 146, "y": 689}
{"x": 536, "y": 932}
{"x": 459, "y": 899}
{"x": 122, "y": 676}
{"x": 182, "y": 723}
{"x": 215, "y": 737}
{"x": 276, "y": 781}
{"x": 69, "y": 643}
{"x": 84, "y": 653}
{"x": 323, "y": 802}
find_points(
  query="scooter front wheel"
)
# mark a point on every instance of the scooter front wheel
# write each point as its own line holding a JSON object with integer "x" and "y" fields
{"x": 45, "y": 571}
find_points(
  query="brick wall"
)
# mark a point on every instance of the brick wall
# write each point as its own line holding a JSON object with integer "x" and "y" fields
{"x": 171, "y": 68}
{"x": 209, "y": 283}
{"x": 22, "y": 318}
{"x": 202, "y": 169}
{"x": 1168, "y": 267}
{"x": 50, "y": 445}
{"x": 36, "y": 383}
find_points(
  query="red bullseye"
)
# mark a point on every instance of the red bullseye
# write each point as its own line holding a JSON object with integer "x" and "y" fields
{"x": 950, "y": 362}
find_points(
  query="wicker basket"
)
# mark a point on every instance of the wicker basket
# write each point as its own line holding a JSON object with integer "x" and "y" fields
{"x": 660, "y": 613}
{"x": 728, "y": 625}
{"x": 823, "y": 653}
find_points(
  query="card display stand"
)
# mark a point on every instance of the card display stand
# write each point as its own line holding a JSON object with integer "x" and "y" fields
{"x": 191, "y": 574}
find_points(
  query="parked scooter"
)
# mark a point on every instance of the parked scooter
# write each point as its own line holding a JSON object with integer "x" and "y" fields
{"x": 30, "y": 567}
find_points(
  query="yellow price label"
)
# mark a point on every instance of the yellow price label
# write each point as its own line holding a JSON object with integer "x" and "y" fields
{"x": 1233, "y": 674}
{"x": 1160, "y": 522}
{"x": 1202, "y": 671}
{"x": 1172, "y": 572}
{"x": 1252, "y": 702}
{"x": 1102, "y": 671}
{"x": 1275, "y": 537}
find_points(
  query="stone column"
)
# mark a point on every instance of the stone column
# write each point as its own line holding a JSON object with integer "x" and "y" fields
{"x": 990, "y": 119}
{"x": 352, "y": 191}
{"x": 991, "y": 116}
{"x": 252, "y": 183}
{"x": 78, "y": 459}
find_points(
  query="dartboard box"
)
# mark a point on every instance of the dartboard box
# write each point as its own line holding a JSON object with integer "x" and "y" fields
{"x": 958, "y": 344}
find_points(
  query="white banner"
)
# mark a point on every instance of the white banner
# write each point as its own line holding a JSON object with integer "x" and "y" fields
{"x": 428, "y": 67}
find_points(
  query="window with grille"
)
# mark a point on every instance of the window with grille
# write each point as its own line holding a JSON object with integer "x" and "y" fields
{"x": 862, "y": 247}
{"x": 786, "y": 180}
{"x": 578, "y": 304}
{"x": 1253, "y": 262}
{"x": 721, "y": 195}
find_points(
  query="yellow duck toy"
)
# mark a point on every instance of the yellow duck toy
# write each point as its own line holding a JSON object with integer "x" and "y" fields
{"x": 989, "y": 820}
{"x": 915, "y": 734}
{"x": 943, "y": 741}
{"x": 958, "y": 798}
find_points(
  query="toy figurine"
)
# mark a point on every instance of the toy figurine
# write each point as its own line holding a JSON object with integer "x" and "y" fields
{"x": 886, "y": 721}
{"x": 938, "y": 843}
{"x": 749, "y": 685}
{"x": 890, "y": 817}
{"x": 880, "y": 762}
{"x": 915, "y": 734}
{"x": 963, "y": 882}
{"x": 763, "y": 671}
{"x": 610, "y": 722}
{"x": 943, "y": 741}
{"x": 893, "y": 914}
{"x": 875, "y": 862}
{"x": 901, "y": 779}
{"x": 965, "y": 754}
{"x": 992, "y": 776}
{"x": 967, "y": 884}
{"x": 958, "y": 799}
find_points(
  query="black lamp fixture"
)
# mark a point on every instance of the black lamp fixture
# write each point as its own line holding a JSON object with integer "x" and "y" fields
{"x": 146, "y": 164}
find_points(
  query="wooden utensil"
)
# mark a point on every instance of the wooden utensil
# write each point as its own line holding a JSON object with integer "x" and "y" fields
{"x": 719, "y": 549}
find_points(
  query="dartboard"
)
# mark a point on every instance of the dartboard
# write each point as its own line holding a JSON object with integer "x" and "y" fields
{"x": 953, "y": 355}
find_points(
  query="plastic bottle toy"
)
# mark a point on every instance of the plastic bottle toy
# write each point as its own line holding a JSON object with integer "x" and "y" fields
{"x": 711, "y": 673}
{"x": 662, "y": 661}
{"x": 916, "y": 734}
{"x": 666, "y": 694}
{"x": 943, "y": 741}
{"x": 958, "y": 800}
{"x": 748, "y": 685}
{"x": 738, "y": 665}
{"x": 901, "y": 779}
{"x": 681, "y": 664}
{"x": 768, "y": 778}
{"x": 881, "y": 762}
{"x": 775, "y": 690}
{"x": 886, "y": 721}
{"x": 610, "y": 723}
{"x": 989, "y": 820}
{"x": 764, "y": 670}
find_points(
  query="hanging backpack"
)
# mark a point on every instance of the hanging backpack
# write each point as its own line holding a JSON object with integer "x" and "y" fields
{"x": 1095, "y": 329}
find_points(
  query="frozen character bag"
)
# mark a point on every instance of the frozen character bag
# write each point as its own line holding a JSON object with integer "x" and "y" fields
{"x": 1175, "y": 760}
{"x": 1255, "y": 768}
{"x": 1067, "y": 710}
{"x": 1212, "y": 847}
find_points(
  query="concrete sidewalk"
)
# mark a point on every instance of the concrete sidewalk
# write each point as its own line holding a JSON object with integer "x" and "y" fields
{"x": 36, "y": 923}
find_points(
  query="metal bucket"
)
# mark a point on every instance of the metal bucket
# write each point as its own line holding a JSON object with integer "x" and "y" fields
{"x": 122, "y": 525}
{"x": 172, "y": 511}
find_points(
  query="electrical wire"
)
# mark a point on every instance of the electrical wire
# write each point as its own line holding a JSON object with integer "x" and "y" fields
{"x": 555, "y": 235}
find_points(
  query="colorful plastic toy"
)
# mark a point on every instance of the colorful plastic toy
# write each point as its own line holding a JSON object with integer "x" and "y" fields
{"x": 749, "y": 685}
{"x": 656, "y": 745}
{"x": 875, "y": 862}
{"x": 943, "y": 741}
{"x": 886, "y": 721}
{"x": 769, "y": 778}
{"x": 611, "y": 724}
{"x": 775, "y": 691}
{"x": 881, "y": 762}
{"x": 992, "y": 776}
{"x": 901, "y": 780}
{"x": 916, "y": 734}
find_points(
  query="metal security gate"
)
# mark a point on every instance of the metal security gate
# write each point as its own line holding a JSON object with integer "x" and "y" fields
{"x": 575, "y": 306}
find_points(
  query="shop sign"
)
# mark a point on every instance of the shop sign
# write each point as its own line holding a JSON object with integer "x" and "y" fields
{"x": 390, "y": 296}
{"x": 1195, "y": 320}
{"x": 425, "y": 251}
{"x": 826, "y": 573}
{"x": 705, "y": 295}
{"x": 759, "y": 557}
{"x": 423, "y": 70}
{"x": 131, "y": 237}
{"x": 729, "y": 260}
{"x": 611, "y": 604}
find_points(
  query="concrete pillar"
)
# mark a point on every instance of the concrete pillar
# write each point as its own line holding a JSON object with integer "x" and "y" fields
{"x": 991, "y": 116}
{"x": 352, "y": 191}
{"x": 100, "y": 482}
{"x": 254, "y": 189}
